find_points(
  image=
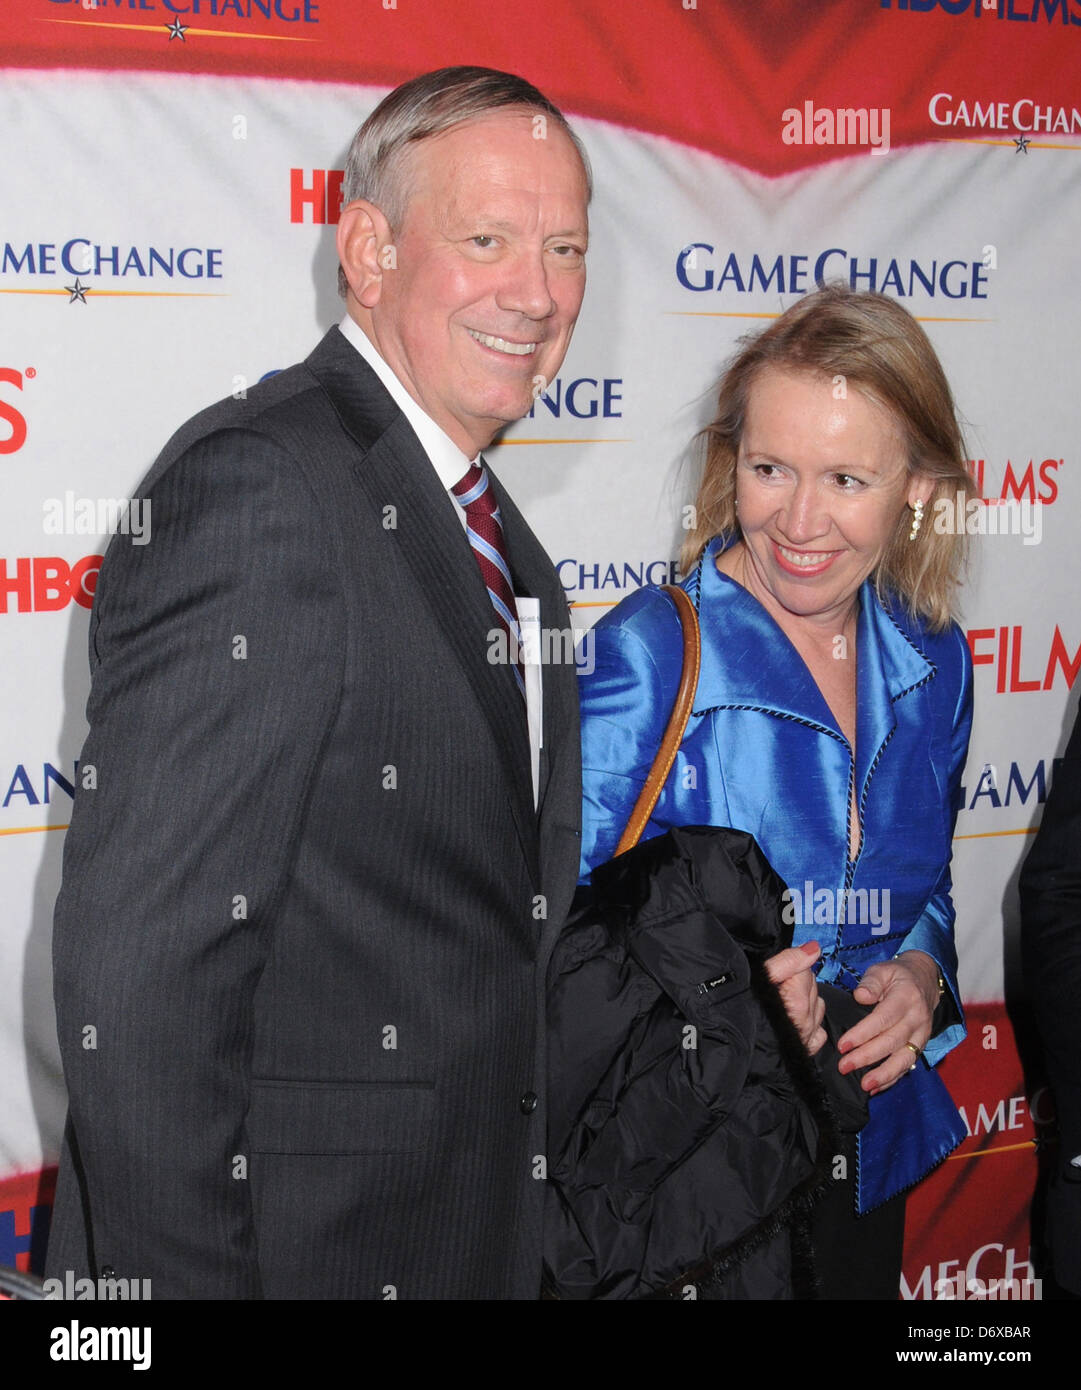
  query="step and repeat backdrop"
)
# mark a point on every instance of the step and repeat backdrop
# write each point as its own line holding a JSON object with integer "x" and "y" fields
{"x": 171, "y": 177}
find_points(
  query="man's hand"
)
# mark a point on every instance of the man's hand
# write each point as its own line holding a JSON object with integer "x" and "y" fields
{"x": 790, "y": 971}
{"x": 904, "y": 992}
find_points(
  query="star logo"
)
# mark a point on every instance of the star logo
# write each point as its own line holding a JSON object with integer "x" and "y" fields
{"x": 1022, "y": 144}
{"x": 78, "y": 291}
{"x": 177, "y": 30}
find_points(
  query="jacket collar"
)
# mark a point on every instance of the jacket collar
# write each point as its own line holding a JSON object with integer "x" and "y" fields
{"x": 750, "y": 663}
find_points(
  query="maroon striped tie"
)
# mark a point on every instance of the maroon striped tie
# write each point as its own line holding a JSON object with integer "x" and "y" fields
{"x": 485, "y": 531}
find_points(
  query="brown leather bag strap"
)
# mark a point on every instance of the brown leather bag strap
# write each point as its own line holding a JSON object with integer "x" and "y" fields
{"x": 677, "y": 720}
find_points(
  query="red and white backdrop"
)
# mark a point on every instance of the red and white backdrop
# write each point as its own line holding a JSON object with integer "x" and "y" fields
{"x": 169, "y": 184}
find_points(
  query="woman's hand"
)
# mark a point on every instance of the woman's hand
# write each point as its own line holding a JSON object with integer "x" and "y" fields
{"x": 905, "y": 994}
{"x": 790, "y": 971}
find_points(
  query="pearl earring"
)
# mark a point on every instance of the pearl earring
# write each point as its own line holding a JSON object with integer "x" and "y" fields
{"x": 917, "y": 519}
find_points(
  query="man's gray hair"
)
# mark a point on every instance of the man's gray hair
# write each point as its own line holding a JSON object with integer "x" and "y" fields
{"x": 375, "y": 167}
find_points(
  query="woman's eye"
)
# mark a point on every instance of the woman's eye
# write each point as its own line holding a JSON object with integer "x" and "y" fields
{"x": 847, "y": 482}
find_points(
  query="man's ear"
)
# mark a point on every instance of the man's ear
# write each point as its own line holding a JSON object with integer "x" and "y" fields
{"x": 363, "y": 239}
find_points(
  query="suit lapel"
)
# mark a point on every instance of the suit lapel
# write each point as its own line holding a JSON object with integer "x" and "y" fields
{"x": 559, "y": 792}
{"x": 394, "y": 471}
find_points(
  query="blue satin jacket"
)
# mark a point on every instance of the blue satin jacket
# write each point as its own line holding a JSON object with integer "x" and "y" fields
{"x": 763, "y": 753}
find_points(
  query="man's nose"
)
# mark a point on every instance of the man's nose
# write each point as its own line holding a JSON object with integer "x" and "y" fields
{"x": 526, "y": 289}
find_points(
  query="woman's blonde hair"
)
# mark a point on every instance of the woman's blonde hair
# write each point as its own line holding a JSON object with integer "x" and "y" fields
{"x": 874, "y": 346}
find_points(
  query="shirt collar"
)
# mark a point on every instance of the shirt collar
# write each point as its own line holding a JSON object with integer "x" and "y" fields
{"x": 446, "y": 458}
{"x": 752, "y": 663}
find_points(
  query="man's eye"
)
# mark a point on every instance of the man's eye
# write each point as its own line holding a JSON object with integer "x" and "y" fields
{"x": 567, "y": 251}
{"x": 483, "y": 242}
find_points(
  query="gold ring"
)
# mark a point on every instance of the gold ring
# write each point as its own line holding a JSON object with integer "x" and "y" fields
{"x": 916, "y": 1051}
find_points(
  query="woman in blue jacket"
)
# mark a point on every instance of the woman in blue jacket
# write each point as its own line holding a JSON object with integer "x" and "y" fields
{"x": 832, "y": 713}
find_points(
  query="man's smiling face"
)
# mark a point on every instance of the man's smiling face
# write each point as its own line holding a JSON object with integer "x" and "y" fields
{"x": 488, "y": 271}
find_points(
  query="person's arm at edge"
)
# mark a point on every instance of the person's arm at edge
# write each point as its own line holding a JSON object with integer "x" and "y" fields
{"x": 1050, "y": 893}
{"x": 207, "y": 714}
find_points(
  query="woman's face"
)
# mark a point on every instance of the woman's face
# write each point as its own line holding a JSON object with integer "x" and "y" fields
{"x": 821, "y": 486}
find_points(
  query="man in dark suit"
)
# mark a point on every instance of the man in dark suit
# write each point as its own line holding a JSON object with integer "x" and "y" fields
{"x": 326, "y": 832}
{"x": 1050, "y": 887}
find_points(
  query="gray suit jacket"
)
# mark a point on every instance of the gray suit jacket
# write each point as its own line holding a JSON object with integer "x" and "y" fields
{"x": 306, "y": 909}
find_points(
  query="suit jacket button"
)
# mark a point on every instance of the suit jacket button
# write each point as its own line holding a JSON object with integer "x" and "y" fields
{"x": 528, "y": 1103}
